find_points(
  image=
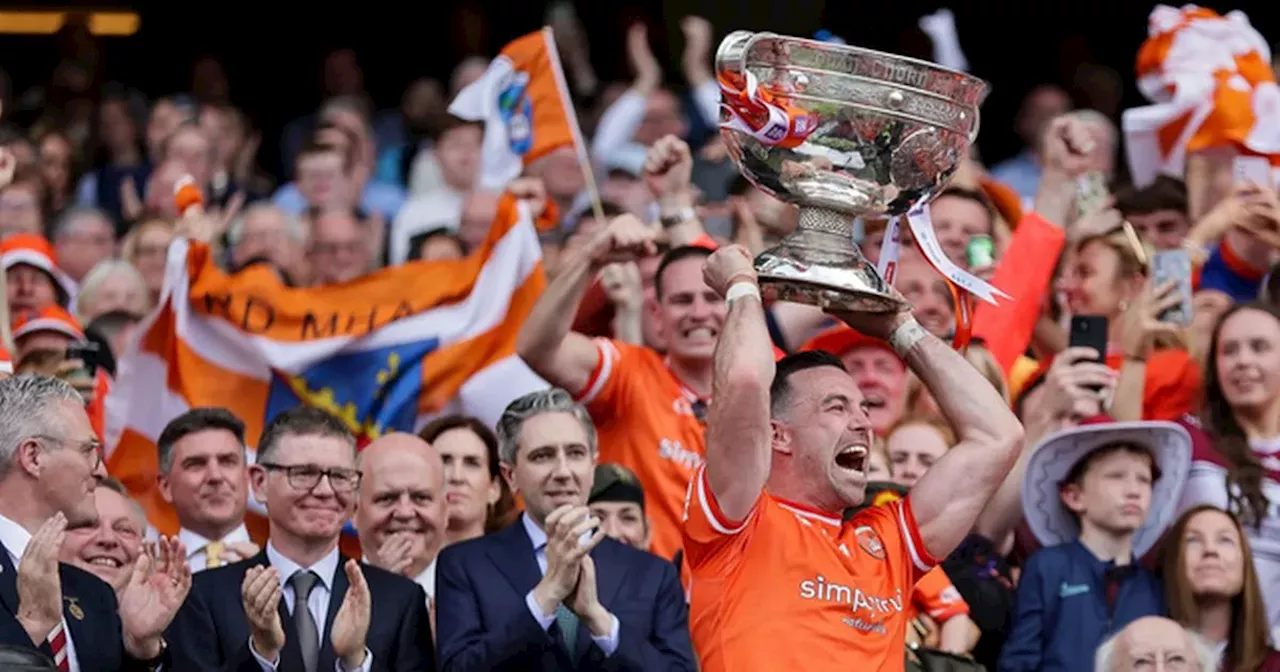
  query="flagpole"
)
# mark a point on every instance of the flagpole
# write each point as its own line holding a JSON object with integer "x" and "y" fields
{"x": 579, "y": 147}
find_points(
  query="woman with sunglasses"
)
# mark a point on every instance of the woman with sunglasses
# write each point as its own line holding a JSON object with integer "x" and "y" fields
{"x": 1107, "y": 274}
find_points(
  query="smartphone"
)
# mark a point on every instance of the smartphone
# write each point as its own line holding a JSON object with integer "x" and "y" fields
{"x": 1090, "y": 331}
{"x": 1174, "y": 265}
{"x": 89, "y": 353}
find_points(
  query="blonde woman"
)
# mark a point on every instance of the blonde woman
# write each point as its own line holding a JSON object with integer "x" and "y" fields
{"x": 146, "y": 247}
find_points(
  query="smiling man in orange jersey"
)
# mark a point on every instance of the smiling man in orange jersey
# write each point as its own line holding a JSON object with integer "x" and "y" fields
{"x": 787, "y": 448}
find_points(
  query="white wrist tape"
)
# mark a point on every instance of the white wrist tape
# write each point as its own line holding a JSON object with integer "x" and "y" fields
{"x": 906, "y": 336}
{"x": 739, "y": 290}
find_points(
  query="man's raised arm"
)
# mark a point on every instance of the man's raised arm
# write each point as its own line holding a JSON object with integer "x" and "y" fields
{"x": 547, "y": 343}
{"x": 738, "y": 430}
{"x": 948, "y": 499}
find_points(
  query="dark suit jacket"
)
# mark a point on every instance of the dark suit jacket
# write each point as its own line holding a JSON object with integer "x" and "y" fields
{"x": 90, "y": 611}
{"x": 211, "y": 632}
{"x": 485, "y": 626}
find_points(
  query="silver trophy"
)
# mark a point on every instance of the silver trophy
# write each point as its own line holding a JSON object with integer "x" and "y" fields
{"x": 843, "y": 133}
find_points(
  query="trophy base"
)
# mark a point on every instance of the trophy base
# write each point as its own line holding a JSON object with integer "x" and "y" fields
{"x": 819, "y": 265}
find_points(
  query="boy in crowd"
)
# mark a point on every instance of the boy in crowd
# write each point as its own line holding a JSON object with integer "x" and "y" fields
{"x": 1097, "y": 496}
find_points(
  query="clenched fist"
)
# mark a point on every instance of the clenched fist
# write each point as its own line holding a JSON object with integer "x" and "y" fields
{"x": 625, "y": 239}
{"x": 668, "y": 167}
{"x": 726, "y": 266}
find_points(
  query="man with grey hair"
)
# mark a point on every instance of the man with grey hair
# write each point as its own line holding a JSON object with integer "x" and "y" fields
{"x": 50, "y": 465}
{"x": 264, "y": 232}
{"x": 1155, "y": 644}
{"x": 82, "y": 237}
{"x": 567, "y": 576}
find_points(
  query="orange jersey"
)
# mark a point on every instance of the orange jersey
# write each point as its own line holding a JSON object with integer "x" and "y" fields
{"x": 645, "y": 421}
{"x": 936, "y": 596}
{"x": 793, "y": 589}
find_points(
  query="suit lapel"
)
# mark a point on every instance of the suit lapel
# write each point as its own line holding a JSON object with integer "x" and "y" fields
{"x": 513, "y": 556}
{"x": 339, "y": 592}
{"x": 75, "y": 613}
{"x": 8, "y": 582}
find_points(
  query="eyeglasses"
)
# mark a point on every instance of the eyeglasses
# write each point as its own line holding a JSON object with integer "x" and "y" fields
{"x": 307, "y": 476}
{"x": 92, "y": 447}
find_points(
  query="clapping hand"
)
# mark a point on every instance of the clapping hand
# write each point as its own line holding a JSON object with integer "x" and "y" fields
{"x": 585, "y": 601}
{"x": 39, "y": 585}
{"x": 260, "y": 594}
{"x": 351, "y": 623}
{"x": 239, "y": 550}
{"x": 566, "y": 547}
{"x": 158, "y": 586}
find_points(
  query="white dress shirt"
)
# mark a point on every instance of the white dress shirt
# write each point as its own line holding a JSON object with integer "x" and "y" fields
{"x": 608, "y": 643}
{"x": 15, "y": 539}
{"x": 195, "y": 544}
{"x": 317, "y": 603}
{"x": 427, "y": 579}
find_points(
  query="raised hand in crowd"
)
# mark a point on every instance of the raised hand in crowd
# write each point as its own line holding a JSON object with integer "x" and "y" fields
{"x": 260, "y": 594}
{"x": 1077, "y": 386}
{"x": 39, "y": 585}
{"x": 351, "y": 624}
{"x": 532, "y": 191}
{"x": 695, "y": 61}
{"x": 643, "y": 63}
{"x": 566, "y": 527}
{"x": 1065, "y": 155}
{"x": 623, "y": 287}
{"x": 668, "y": 169}
{"x": 1140, "y": 324}
{"x": 159, "y": 584}
{"x": 626, "y": 239}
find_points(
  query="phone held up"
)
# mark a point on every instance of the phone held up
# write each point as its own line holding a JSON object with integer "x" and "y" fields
{"x": 1090, "y": 331}
{"x": 1175, "y": 265}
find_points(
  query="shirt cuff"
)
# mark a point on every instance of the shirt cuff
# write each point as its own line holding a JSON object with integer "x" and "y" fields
{"x": 536, "y": 611}
{"x": 364, "y": 667}
{"x": 266, "y": 665}
{"x": 608, "y": 643}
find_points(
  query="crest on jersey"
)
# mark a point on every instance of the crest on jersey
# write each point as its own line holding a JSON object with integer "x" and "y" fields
{"x": 870, "y": 542}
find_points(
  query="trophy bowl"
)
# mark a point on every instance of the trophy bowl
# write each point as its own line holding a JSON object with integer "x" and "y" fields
{"x": 843, "y": 133}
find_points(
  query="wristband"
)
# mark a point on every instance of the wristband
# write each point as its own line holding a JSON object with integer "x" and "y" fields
{"x": 739, "y": 290}
{"x": 906, "y": 336}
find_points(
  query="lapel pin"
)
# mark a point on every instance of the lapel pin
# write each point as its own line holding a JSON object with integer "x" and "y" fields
{"x": 73, "y": 608}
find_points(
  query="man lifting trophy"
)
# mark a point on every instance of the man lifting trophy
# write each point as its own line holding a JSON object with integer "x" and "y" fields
{"x": 843, "y": 133}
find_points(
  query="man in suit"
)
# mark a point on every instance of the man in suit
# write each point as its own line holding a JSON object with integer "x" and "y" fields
{"x": 303, "y": 606}
{"x": 51, "y": 462}
{"x": 550, "y": 592}
{"x": 401, "y": 512}
{"x": 203, "y": 474}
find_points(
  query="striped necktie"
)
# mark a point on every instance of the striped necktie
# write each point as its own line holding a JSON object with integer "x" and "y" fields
{"x": 58, "y": 644}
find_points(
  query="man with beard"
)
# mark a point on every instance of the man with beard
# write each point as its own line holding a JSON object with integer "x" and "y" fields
{"x": 204, "y": 476}
{"x": 787, "y": 449}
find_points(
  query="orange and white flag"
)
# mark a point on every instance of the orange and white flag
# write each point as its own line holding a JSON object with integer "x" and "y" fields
{"x": 524, "y": 103}
{"x": 386, "y": 352}
{"x": 1210, "y": 80}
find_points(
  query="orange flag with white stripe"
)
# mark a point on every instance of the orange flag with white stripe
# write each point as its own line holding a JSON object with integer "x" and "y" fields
{"x": 383, "y": 353}
{"x": 1210, "y": 80}
{"x": 524, "y": 103}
